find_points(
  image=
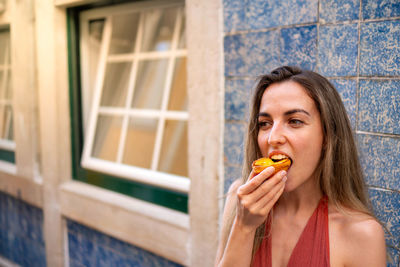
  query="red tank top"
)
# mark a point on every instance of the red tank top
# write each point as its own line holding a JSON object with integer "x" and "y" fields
{"x": 312, "y": 248}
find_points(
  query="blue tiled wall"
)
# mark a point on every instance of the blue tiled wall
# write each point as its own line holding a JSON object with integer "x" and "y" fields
{"x": 356, "y": 44}
{"x": 88, "y": 247}
{"x": 21, "y": 232}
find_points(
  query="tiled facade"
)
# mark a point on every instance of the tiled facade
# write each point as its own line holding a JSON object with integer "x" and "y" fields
{"x": 88, "y": 247}
{"x": 356, "y": 45}
{"x": 21, "y": 232}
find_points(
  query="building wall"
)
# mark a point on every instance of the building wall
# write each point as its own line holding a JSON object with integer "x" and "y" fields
{"x": 47, "y": 218}
{"x": 356, "y": 45}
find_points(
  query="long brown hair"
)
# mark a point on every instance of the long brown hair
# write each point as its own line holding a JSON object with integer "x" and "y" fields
{"x": 339, "y": 170}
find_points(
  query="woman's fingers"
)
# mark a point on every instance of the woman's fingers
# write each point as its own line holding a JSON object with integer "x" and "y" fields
{"x": 265, "y": 203}
{"x": 261, "y": 194}
{"x": 255, "y": 181}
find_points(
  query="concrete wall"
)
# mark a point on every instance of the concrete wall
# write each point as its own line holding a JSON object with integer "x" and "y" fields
{"x": 356, "y": 45}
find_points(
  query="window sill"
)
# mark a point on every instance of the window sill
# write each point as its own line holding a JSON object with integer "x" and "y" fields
{"x": 22, "y": 188}
{"x": 157, "y": 229}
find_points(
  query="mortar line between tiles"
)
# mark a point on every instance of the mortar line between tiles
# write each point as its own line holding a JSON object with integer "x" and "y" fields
{"x": 271, "y": 28}
{"x": 317, "y": 45}
{"x": 378, "y": 134}
{"x": 336, "y": 23}
{"x": 383, "y": 189}
{"x": 358, "y": 93}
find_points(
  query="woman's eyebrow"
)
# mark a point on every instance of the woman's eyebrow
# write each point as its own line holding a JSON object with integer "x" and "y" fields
{"x": 263, "y": 114}
{"x": 290, "y": 112}
{"x": 287, "y": 113}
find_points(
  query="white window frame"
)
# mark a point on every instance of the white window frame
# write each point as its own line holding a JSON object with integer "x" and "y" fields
{"x": 148, "y": 176}
{"x": 6, "y": 144}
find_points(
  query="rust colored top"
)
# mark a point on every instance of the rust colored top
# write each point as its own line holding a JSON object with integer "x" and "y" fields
{"x": 312, "y": 248}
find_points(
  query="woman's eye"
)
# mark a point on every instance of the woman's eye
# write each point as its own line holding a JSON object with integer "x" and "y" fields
{"x": 296, "y": 122}
{"x": 263, "y": 124}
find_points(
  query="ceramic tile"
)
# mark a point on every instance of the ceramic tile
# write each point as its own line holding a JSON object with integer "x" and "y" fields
{"x": 237, "y": 99}
{"x": 338, "y": 10}
{"x": 380, "y": 160}
{"x": 394, "y": 256}
{"x": 386, "y": 206}
{"x": 235, "y": 54}
{"x": 270, "y": 13}
{"x": 88, "y": 247}
{"x": 380, "y": 48}
{"x": 338, "y": 50}
{"x": 234, "y": 15}
{"x": 374, "y": 9}
{"x": 21, "y": 232}
{"x": 379, "y": 106}
{"x": 234, "y": 136}
{"x": 262, "y": 52}
{"x": 347, "y": 89}
{"x": 299, "y": 47}
{"x": 231, "y": 173}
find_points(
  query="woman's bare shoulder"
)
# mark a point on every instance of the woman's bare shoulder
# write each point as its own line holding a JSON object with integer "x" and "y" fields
{"x": 356, "y": 238}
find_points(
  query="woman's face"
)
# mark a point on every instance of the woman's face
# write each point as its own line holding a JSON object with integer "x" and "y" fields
{"x": 290, "y": 124}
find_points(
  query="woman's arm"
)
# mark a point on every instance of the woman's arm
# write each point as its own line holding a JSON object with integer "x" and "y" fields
{"x": 253, "y": 202}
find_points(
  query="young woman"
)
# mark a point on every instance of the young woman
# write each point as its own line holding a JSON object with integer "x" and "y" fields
{"x": 317, "y": 212}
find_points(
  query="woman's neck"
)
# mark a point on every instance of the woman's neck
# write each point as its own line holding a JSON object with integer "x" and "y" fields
{"x": 303, "y": 198}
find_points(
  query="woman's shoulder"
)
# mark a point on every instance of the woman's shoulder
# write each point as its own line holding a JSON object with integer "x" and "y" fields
{"x": 356, "y": 237}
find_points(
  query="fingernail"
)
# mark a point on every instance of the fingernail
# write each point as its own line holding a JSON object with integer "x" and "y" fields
{"x": 271, "y": 169}
{"x": 284, "y": 178}
{"x": 283, "y": 173}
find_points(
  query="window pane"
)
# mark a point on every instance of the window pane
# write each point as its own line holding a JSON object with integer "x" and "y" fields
{"x": 124, "y": 31}
{"x": 94, "y": 44}
{"x": 8, "y": 87}
{"x": 178, "y": 99}
{"x": 115, "y": 86}
{"x": 150, "y": 83}
{"x": 4, "y": 48}
{"x": 173, "y": 157}
{"x": 158, "y": 29}
{"x": 6, "y": 125}
{"x": 107, "y": 137}
{"x": 139, "y": 144}
{"x": 182, "y": 35}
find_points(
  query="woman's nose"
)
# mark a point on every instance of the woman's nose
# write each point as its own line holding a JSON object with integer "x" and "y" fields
{"x": 276, "y": 135}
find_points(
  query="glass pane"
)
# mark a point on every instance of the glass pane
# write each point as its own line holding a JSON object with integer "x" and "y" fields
{"x": 5, "y": 84}
{"x": 8, "y": 87}
{"x": 173, "y": 157}
{"x": 95, "y": 37}
{"x": 139, "y": 143}
{"x": 107, "y": 137}
{"x": 158, "y": 29}
{"x": 182, "y": 35}
{"x": 2, "y": 83}
{"x": 178, "y": 97}
{"x": 150, "y": 82}
{"x": 6, "y": 125}
{"x": 124, "y": 31}
{"x": 115, "y": 86}
{"x": 4, "y": 47}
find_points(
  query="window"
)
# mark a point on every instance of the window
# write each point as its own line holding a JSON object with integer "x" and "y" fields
{"x": 7, "y": 144}
{"x": 132, "y": 95}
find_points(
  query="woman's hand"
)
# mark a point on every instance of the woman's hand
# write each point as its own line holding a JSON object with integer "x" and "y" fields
{"x": 257, "y": 197}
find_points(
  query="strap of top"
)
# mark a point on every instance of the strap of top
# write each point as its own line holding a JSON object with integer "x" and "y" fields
{"x": 312, "y": 248}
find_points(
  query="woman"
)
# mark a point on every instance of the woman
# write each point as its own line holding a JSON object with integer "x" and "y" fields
{"x": 315, "y": 214}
